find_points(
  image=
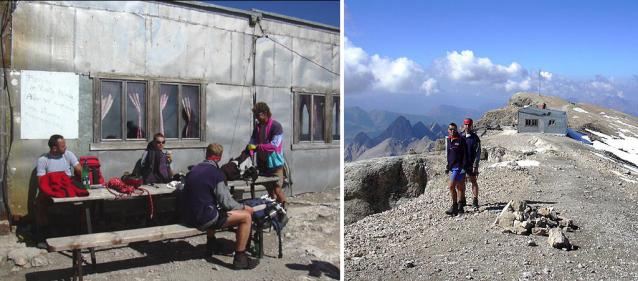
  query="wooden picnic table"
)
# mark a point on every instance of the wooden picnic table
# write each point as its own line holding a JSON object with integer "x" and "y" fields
{"x": 100, "y": 194}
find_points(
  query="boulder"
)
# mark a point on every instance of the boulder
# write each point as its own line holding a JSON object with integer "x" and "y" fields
{"x": 506, "y": 219}
{"x": 557, "y": 239}
{"x": 518, "y": 206}
{"x": 375, "y": 185}
{"x": 540, "y": 231}
{"x": 544, "y": 213}
{"x": 28, "y": 257}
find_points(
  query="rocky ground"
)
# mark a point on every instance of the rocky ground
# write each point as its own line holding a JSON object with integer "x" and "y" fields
{"x": 310, "y": 247}
{"x": 417, "y": 241}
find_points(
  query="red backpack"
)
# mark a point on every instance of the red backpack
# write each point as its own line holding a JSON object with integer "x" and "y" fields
{"x": 94, "y": 167}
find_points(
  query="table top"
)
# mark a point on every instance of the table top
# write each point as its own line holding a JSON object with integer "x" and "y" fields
{"x": 156, "y": 189}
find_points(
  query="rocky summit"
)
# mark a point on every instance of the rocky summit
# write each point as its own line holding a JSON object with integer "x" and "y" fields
{"x": 581, "y": 198}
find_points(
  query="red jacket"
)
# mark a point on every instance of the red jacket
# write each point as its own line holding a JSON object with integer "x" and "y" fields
{"x": 59, "y": 185}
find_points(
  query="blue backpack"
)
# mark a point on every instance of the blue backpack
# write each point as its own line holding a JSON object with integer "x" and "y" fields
{"x": 268, "y": 214}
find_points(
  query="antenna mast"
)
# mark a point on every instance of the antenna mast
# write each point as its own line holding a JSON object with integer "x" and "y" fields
{"x": 539, "y": 81}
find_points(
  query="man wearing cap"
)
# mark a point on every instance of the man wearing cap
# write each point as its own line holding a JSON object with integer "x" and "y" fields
{"x": 473, "y": 143}
{"x": 457, "y": 156}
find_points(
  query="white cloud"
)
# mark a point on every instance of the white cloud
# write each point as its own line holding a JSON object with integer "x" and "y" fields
{"x": 518, "y": 86}
{"x": 430, "y": 86}
{"x": 401, "y": 75}
{"x": 546, "y": 75}
{"x": 466, "y": 67}
{"x": 602, "y": 86}
{"x": 358, "y": 76}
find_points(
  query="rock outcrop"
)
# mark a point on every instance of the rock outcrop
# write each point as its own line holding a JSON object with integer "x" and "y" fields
{"x": 374, "y": 185}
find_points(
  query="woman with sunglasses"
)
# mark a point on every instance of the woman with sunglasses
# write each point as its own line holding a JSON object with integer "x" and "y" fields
{"x": 156, "y": 167}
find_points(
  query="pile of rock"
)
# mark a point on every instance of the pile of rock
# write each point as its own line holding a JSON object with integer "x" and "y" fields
{"x": 519, "y": 218}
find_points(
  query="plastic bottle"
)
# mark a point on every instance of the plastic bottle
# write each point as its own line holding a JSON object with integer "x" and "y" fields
{"x": 85, "y": 175}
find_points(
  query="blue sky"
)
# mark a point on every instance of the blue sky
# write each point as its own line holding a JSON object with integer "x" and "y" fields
{"x": 326, "y": 12}
{"x": 477, "y": 52}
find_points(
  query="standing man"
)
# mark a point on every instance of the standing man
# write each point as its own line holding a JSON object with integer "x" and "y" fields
{"x": 58, "y": 159}
{"x": 155, "y": 166}
{"x": 267, "y": 140}
{"x": 207, "y": 206}
{"x": 473, "y": 143}
{"x": 457, "y": 156}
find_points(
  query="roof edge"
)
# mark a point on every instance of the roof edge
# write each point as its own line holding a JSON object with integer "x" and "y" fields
{"x": 251, "y": 13}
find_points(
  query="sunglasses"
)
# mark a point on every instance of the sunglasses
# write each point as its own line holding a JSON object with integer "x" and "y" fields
{"x": 158, "y": 142}
{"x": 450, "y": 129}
{"x": 258, "y": 114}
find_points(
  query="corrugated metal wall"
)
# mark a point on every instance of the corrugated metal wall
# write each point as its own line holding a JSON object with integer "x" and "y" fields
{"x": 154, "y": 40}
{"x": 560, "y": 126}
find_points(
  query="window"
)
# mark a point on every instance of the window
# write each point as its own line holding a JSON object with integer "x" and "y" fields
{"x": 132, "y": 110}
{"x": 179, "y": 108}
{"x": 552, "y": 123}
{"x": 316, "y": 117}
{"x": 531, "y": 122}
{"x": 123, "y": 110}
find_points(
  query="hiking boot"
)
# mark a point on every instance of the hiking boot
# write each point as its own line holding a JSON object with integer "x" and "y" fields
{"x": 461, "y": 205}
{"x": 454, "y": 210}
{"x": 242, "y": 261}
{"x": 475, "y": 202}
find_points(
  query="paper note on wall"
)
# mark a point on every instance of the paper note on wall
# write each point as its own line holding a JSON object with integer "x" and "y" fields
{"x": 49, "y": 104}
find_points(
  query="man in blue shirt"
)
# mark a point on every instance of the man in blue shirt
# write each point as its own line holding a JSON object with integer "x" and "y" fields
{"x": 456, "y": 152}
{"x": 207, "y": 205}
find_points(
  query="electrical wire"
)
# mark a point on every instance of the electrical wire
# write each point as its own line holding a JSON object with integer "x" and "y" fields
{"x": 275, "y": 41}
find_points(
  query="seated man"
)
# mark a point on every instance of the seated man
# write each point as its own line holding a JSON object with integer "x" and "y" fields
{"x": 58, "y": 159}
{"x": 203, "y": 192}
{"x": 155, "y": 166}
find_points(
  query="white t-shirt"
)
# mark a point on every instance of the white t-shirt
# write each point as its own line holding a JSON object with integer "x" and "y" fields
{"x": 48, "y": 163}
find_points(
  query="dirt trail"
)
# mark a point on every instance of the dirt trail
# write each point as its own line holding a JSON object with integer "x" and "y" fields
{"x": 418, "y": 241}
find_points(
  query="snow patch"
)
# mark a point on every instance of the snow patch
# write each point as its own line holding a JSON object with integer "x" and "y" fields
{"x": 575, "y": 117}
{"x": 580, "y": 110}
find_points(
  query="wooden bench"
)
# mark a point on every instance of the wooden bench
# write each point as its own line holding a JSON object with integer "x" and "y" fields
{"x": 79, "y": 242}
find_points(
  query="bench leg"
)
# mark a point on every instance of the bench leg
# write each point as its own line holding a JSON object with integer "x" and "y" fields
{"x": 252, "y": 190}
{"x": 90, "y": 230}
{"x": 261, "y": 242}
{"x": 281, "y": 255}
{"x": 77, "y": 264}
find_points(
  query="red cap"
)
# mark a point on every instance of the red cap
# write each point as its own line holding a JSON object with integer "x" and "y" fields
{"x": 467, "y": 122}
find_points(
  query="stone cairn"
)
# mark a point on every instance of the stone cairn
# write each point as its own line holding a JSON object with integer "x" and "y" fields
{"x": 519, "y": 218}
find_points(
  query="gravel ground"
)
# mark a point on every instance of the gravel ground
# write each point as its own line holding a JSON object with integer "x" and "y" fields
{"x": 417, "y": 241}
{"x": 310, "y": 248}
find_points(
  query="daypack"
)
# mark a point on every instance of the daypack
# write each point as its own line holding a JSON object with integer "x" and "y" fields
{"x": 268, "y": 213}
{"x": 231, "y": 169}
{"x": 94, "y": 167}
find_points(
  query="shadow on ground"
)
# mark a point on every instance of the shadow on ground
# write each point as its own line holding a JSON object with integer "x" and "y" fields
{"x": 316, "y": 268}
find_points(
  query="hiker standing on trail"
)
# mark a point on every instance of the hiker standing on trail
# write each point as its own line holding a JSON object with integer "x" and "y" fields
{"x": 267, "y": 140}
{"x": 207, "y": 205}
{"x": 457, "y": 156}
{"x": 473, "y": 143}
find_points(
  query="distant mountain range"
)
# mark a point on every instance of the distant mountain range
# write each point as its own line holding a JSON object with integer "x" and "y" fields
{"x": 375, "y": 122}
{"x": 397, "y": 139}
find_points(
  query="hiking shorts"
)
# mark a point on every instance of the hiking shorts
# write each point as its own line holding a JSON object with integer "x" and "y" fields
{"x": 469, "y": 173}
{"x": 222, "y": 218}
{"x": 457, "y": 174}
{"x": 279, "y": 182}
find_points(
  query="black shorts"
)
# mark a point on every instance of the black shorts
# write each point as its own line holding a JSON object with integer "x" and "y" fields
{"x": 222, "y": 218}
{"x": 471, "y": 174}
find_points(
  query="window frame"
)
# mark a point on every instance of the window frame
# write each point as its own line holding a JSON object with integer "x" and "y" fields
{"x": 551, "y": 123}
{"x": 328, "y": 141}
{"x": 201, "y": 109}
{"x": 531, "y": 122}
{"x": 152, "y": 113}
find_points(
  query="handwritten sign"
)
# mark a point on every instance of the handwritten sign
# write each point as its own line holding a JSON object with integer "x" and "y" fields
{"x": 49, "y": 104}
